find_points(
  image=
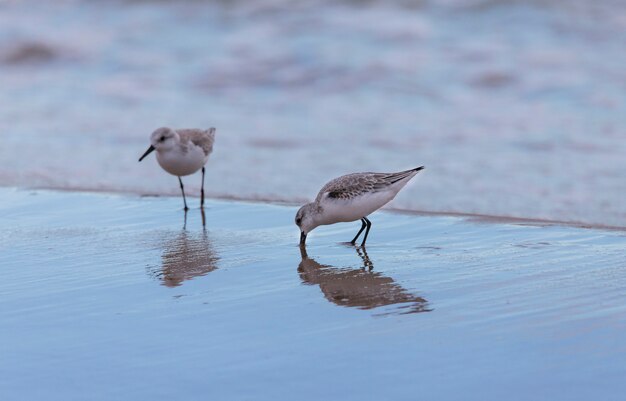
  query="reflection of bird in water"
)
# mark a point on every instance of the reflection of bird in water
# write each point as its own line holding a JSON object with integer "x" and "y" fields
{"x": 202, "y": 214}
{"x": 185, "y": 257}
{"x": 359, "y": 288}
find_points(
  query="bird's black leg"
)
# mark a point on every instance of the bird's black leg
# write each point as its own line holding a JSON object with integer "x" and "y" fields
{"x": 202, "y": 190}
{"x": 360, "y": 231}
{"x": 369, "y": 225}
{"x": 182, "y": 189}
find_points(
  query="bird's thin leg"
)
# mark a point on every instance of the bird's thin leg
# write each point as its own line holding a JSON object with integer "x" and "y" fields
{"x": 369, "y": 225}
{"x": 182, "y": 189}
{"x": 203, "y": 218}
{"x": 185, "y": 221}
{"x": 202, "y": 190}
{"x": 360, "y": 231}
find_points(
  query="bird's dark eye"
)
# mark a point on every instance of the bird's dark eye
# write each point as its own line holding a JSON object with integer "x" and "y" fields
{"x": 298, "y": 221}
{"x": 162, "y": 139}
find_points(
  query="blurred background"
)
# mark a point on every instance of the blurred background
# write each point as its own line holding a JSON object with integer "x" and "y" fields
{"x": 516, "y": 108}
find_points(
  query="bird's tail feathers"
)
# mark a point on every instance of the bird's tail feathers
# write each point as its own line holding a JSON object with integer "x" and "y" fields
{"x": 395, "y": 177}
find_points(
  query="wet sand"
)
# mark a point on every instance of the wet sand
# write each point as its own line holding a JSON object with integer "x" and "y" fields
{"x": 114, "y": 297}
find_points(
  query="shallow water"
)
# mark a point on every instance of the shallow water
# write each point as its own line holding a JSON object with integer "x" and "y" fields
{"x": 516, "y": 108}
{"x": 116, "y": 297}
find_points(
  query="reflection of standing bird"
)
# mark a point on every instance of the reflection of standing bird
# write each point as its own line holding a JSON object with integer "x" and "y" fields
{"x": 351, "y": 197}
{"x": 358, "y": 288}
{"x": 182, "y": 152}
{"x": 185, "y": 257}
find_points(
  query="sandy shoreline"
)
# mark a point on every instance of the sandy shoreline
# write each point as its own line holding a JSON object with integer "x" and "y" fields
{"x": 117, "y": 297}
{"x": 497, "y": 273}
{"x": 476, "y": 217}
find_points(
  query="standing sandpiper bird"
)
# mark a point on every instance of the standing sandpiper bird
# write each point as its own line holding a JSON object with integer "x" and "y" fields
{"x": 182, "y": 152}
{"x": 351, "y": 197}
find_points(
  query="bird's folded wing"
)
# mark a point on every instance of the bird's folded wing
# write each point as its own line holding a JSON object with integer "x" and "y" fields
{"x": 201, "y": 138}
{"x": 353, "y": 185}
{"x": 348, "y": 187}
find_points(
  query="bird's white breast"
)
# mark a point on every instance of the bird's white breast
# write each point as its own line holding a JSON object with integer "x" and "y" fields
{"x": 344, "y": 210}
{"x": 180, "y": 163}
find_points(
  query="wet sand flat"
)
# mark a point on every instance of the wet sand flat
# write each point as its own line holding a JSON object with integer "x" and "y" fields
{"x": 113, "y": 297}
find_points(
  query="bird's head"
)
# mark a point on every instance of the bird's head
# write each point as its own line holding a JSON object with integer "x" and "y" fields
{"x": 306, "y": 219}
{"x": 162, "y": 139}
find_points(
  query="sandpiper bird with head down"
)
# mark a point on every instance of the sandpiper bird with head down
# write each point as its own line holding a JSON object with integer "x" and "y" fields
{"x": 182, "y": 152}
{"x": 351, "y": 197}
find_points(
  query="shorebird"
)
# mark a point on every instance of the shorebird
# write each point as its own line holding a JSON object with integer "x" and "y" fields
{"x": 182, "y": 152}
{"x": 351, "y": 197}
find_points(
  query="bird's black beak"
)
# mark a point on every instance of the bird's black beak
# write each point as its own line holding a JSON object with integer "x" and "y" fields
{"x": 302, "y": 237}
{"x": 150, "y": 149}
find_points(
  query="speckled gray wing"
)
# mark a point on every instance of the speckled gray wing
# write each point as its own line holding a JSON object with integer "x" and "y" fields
{"x": 347, "y": 187}
{"x": 353, "y": 185}
{"x": 201, "y": 138}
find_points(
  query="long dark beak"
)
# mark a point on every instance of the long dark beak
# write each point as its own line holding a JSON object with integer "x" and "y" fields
{"x": 150, "y": 149}
{"x": 302, "y": 237}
